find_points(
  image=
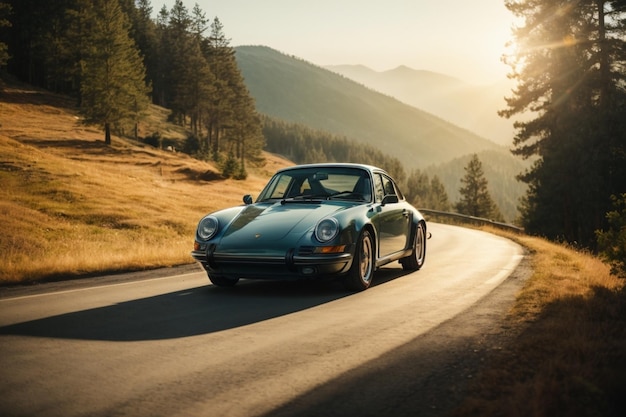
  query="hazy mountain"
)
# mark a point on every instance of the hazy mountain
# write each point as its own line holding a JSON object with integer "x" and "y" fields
{"x": 473, "y": 107}
{"x": 296, "y": 91}
{"x": 293, "y": 90}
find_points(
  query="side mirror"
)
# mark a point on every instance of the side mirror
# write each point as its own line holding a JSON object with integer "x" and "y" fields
{"x": 247, "y": 199}
{"x": 390, "y": 199}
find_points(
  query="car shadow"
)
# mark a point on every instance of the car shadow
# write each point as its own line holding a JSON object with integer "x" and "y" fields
{"x": 201, "y": 310}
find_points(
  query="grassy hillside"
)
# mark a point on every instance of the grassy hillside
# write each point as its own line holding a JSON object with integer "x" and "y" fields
{"x": 72, "y": 206}
{"x": 568, "y": 355}
{"x": 296, "y": 91}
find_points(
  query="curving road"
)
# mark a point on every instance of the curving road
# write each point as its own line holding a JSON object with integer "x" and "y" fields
{"x": 175, "y": 345}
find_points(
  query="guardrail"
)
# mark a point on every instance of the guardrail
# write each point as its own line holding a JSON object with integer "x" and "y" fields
{"x": 476, "y": 221}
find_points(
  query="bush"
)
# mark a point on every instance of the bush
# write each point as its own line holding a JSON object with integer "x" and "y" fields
{"x": 612, "y": 243}
{"x": 192, "y": 145}
{"x": 155, "y": 140}
{"x": 241, "y": 174}
{"x": 230, "y": 166}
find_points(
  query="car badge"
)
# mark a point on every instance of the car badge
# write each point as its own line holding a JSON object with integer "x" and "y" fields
{"x": 257, "y": 235}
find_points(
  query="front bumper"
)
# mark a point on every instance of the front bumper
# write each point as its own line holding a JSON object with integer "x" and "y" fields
{"x": 290, "y": 265}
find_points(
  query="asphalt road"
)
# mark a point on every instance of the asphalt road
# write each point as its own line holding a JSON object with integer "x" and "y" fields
{"x": 156, "y": 344}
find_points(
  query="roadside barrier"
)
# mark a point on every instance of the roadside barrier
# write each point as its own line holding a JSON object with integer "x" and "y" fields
{"x": 456, "y": 218}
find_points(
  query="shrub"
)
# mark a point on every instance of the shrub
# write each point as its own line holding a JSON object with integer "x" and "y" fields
{"x": 612, "y": 242}
{"x": 155, "y": 140}
{"x": 230, "y": 166}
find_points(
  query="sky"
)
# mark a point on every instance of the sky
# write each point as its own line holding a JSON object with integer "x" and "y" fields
{"x": 460, "y": 38}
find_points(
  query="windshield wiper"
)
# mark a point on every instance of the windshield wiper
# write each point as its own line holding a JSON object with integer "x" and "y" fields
{"x": 347, "y": 195}
{"x": 303, "y": 199}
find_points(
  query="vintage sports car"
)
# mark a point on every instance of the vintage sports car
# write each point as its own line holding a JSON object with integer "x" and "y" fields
{"x": 312, "y": 221}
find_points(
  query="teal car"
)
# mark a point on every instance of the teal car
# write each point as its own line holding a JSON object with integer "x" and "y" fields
{"x": 313, "y": 221}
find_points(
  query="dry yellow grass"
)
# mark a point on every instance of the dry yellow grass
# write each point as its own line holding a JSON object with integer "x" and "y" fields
{"x": 73, "y": 206}
{"x": 570, "y": 357}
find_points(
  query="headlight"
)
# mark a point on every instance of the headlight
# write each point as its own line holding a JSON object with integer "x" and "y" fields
{"x": 326, "y": 230}
{"x": 207, "y": 228}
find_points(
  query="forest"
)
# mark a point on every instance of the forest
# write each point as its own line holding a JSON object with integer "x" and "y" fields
{"x": 116, "y": 58}
{"x": 569, "y": 63}
{"x": 568, "y": 59}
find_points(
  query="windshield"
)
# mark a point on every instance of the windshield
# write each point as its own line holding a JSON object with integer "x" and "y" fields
{"x": 319, "y": 183}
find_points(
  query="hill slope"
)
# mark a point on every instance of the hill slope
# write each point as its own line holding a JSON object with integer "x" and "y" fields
{"x": 296, "y": 91}
{"x": 73, "y": 206}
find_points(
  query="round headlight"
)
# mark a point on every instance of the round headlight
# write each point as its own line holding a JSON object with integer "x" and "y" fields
{"x": 326, "y": 230}
{"x": 207, "y": 228}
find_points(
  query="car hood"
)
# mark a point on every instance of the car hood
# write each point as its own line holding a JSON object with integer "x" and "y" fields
{"x": 263, "y": 223}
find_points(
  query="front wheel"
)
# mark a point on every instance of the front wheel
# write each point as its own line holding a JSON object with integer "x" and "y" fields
{"x": 415, "y": 260}
{"x": 361, "y": 272}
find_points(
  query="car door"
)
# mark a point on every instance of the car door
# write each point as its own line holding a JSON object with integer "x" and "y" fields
{"x": 392, "y": 220}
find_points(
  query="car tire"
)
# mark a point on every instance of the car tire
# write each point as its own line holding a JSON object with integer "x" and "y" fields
{"x": 361, "y": 272}
{"x": 223, "y": 281}
{"x": 415, "y": 261}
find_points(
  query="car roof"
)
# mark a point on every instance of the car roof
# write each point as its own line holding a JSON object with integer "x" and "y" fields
{"x": 370, "y": 168}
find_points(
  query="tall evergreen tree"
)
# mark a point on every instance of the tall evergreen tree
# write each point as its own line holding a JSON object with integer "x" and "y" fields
{"x": 37, "y": 33}
{"x": 570, "y": 67}
{"x": 233, "y": 125}
{"x": 144, "y": 34}
{"x": 475, "y": 198}
{"x": 246, "y": 135}
{"x": 221, "y": 58}
{"x": 5, "y": 11}
{"x": 438, "y": 197}
{"x": 113, "y": 85}
{"x": 418, "y": 188}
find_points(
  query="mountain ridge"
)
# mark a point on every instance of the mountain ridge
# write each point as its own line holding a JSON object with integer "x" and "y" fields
{"x": 297, "y": 91}
{"x": 442, "y": 95}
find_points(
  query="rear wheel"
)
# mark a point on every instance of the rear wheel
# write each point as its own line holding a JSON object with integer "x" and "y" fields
{"x": 223, "y": 281}
{"x": 361, "y": 272}
{"x": 415, "y": 261}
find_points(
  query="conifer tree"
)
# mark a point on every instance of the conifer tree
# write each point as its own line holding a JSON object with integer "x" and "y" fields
{"x": 144, "y": 34}
{"x": 475, "y": 198}
{"x": 570, "y": 68}
{"x": 5, "y": 11}
{"x": 418, "y": 189}
{"x": 221, "y": 58}
{"x": 113, "y": 88}
{"x": 438, "y": 197}
{"x": 233, "y": 125}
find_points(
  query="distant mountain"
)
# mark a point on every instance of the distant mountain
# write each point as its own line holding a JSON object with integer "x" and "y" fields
{"x": 473, "y": 107}
{"x": 297, "y": 91}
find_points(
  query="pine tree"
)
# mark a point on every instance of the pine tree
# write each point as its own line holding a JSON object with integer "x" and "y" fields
{"x": 233, "y": 125}
{"x": 418, "y": 189}
{"x": 5, "y": 11}
{"x": 144, "y": 34}
{"x": 113, "y": 83}
{"x": 475, "y": 198}
{"x": 221, "y": 58}
{"x": 438, "y": 197}
{"x": 570, "y": 69}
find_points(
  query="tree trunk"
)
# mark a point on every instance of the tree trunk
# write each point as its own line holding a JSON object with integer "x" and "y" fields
{"x": 107, "y": 133}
